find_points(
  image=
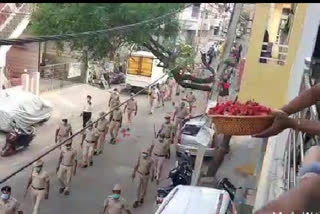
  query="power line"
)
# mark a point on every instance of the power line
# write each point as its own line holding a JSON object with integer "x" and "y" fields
{"x": 78, "y": 132}
{"x": 83, "y": 34}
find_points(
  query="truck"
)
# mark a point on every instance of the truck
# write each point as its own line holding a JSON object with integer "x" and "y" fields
{"x": 142, "y": 70}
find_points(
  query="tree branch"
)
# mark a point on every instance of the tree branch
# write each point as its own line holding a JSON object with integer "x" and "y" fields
{"x": 164, "y": 59}
{"x": 159, "y": 46}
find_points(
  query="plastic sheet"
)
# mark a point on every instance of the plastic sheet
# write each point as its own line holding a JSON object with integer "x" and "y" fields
{"x": 25, "y": 108}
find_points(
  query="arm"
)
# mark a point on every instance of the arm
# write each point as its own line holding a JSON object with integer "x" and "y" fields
{"x": 309, "y": 126}
{"x": 305, "y": 99}
{"x": 59, "y": 161}
{"x": 105, "y": 206}
{"x": 136, "y": 168}
{"x": 135, "y": 113}
{"x": 57, "y": 132}
{"x": 83, "y": 137}
{"x": 75, "y": 163}
{"x": 47, "y": 187}
{"x": 125, "y": 108}
{"x": 160, "y": 130}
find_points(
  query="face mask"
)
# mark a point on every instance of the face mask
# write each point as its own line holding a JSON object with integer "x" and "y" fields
{"x": 115, "y": 196}
{"x": 37, "y": 169}
{"x": 5, "y": 196}
{"x": 145, "y": 155}
{"x": 68, "y": 147}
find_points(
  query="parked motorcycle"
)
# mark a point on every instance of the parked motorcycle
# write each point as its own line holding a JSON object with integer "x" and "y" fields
{"x": 17, "y": 140}
{"x": 180, "y": 175}
{"x": 225, "y": 184}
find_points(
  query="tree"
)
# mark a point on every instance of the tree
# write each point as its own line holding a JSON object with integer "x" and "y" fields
{"x": 160, "y": 36}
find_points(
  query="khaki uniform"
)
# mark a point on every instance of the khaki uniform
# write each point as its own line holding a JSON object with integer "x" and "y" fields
{"x": 144, "y": 168}
{"x": 66, "y": 168}
{"x": 88, "y": 145}
{"x": 191, "y": 99}
{"x": 11, "y": 206}
{"x": 113, "y": 104}
{"x": 167, "y": 129}
{"x": 115, "y": 123}
{"x": 38, "y": 189}
{"x": 162, "y": 91}
{"x": 115, "y": 206}
{"x": 102, "y": 128}
{"x": 153, "y": 99}
{"x": 160, "y": 150}
{"x": 64, "y": 132}
{"x": 181, "y": 114}
{"x": 131, "y": 108}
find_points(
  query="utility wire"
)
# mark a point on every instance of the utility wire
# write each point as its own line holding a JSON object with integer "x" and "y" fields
{"x": 78, "y": 132}
{"x": 83, "y": 34}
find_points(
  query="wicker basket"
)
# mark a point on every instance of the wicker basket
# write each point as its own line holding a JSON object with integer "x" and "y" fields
{"x": 241, "y": 125}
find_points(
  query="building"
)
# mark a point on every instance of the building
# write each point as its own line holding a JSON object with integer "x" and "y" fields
{"x": 14, "y": 19}
{"x": 284, "y": 37}
{"x": 201, "y": 23}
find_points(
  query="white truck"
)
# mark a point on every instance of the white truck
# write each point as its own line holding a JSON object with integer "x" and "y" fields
{"x": 143, "y": 70}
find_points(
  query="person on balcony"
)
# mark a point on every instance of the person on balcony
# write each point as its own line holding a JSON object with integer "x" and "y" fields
{"x": 305, "y": 197}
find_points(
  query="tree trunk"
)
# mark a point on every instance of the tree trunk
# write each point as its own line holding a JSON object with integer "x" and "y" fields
{"x": 44, "y": 53}
{"x": 84, "y": 67}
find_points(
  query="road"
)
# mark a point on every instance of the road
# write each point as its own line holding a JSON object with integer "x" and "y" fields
{"x": 92, "y": 185}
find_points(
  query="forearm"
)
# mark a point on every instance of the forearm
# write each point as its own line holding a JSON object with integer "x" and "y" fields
{"x": 305, "y": 99}
{"x": 308, "y": 126}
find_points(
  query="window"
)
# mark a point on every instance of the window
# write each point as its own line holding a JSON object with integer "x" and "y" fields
{"x": 195, "y": 10}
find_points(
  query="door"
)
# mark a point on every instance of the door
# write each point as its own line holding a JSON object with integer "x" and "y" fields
{"x": 140, "y": 66}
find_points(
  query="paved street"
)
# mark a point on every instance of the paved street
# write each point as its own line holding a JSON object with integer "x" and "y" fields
{"x": 91, "y": 186}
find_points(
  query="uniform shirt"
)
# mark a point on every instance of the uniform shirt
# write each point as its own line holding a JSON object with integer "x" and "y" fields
{"x": 171, "y": 83}
{"x": 87, "y": 107}
{"x": 132, "y": 105}
{"x": 114, "y": 103}
{"x": 103, "y": 125}
{"x": 114, "y": 97}
{"x": 115, "y": 206}
{"x": 91, "y": 135}
{"x": 11, "y": 206}
{"x": 154, "y": 94}
{"x": 68, "y": 157}
{"x": 181, "y": 113}
{"x": 64, "y": 130}
{"x": 167, "y": 130}
{"x": 117, "y": 115}
{"x": 39, "y": 180}
{"x": 145, "y": 165}
{"x": 161, "y": 148}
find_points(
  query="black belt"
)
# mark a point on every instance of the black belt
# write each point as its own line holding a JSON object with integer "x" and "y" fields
{"x": 101, "y": 130}
{"x": 37, "y": 188}
{"x": 159, "y": 155}
{"x": 66, "y": 165}
{"x": 90, "y": 141}
{"x": 143, "y": 174}
{"x": 180, "y": 118}
{"x": 167, "y": 137}
{"x": 129, "y": 109}
{"x": 117, "y": 120}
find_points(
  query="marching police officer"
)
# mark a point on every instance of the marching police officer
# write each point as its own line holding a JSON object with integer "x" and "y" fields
{"x": 167, "y": 129}
{"x": 114, "y": 101}
{"x": 144, "y": 168}
{"x": 179, "y": 115}
{"x": 115, "y": 204}
{"x": 64, "y": 131}
{"x": 132, "y": 107}
{"x": 115, "y": 124}
{"x": 102, "y": 127}
{"x": 67, "y": 165}
{"x": 90, "y": 137}
{"x": 8, "y": 204}
{"x": 40, "y": 183}
{"x": 154, "y": 97}
{"x": 160, "y": 150}
{"x": 191, "y": 99}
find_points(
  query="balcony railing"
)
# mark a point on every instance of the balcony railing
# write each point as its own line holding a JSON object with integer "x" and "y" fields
{"x": 282, "y": 51}
{"x": 297, "y": 144}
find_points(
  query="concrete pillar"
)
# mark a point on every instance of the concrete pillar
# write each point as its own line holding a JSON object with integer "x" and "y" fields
{"x": 25, "y": 80}
{"x": 34, "y": 82}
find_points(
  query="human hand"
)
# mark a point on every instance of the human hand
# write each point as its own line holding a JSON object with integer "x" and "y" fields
{"x": 133, "y": 175}
{"x": 280, "y": 123}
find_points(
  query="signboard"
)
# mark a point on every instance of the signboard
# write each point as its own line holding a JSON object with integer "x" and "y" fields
{"x": 74, "y": 70}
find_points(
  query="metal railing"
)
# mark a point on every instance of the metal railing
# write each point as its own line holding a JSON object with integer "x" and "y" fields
{"x": 281, "y": 54}
{"x": 298, "y": 143}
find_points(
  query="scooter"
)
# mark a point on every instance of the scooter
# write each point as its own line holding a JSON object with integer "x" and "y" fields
{"x": 180, "y": 175}
{"x": 17, "y": 140}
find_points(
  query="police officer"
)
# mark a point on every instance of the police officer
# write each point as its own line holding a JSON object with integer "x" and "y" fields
{"x": 40, "y": 183}
{"x": 191, "y": 99}
{"x": 90, "y": 137}
{"x": 154, "y": 97}
{"x": 144, "y": 168}
{"x": 159, "y": 150}
{"x": 87, "y": 111}
{"x": 64, "y": 131}
{"x": 8, "y": 204}
{"x": 162, "y": 93}
{"x": 179, "y": 115}
{"x": 132, "y": 108}
{"x": 67, "y": 165}
{"x": 115, "y": 204}
{"x": 115, "y": 124}
{"x": 114, "y": 101}
{"x": 102, "y": 127}
{"x": 167, "y": 129}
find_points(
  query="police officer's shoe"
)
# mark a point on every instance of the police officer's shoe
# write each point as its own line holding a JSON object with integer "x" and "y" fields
{"x": 141, "y": 201}
{"x": 84, "y": 166}
{"x": 61, "y": 190}
{"x": 100, "y": 152}
{"x": 157, "y": 181}
{"x": 135, "y": 204}
{"x": 95, "y": 153}
{"x": 67, "y": 192}
{"x": 91, "y": 163}
{"x": 128, "y": 129}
